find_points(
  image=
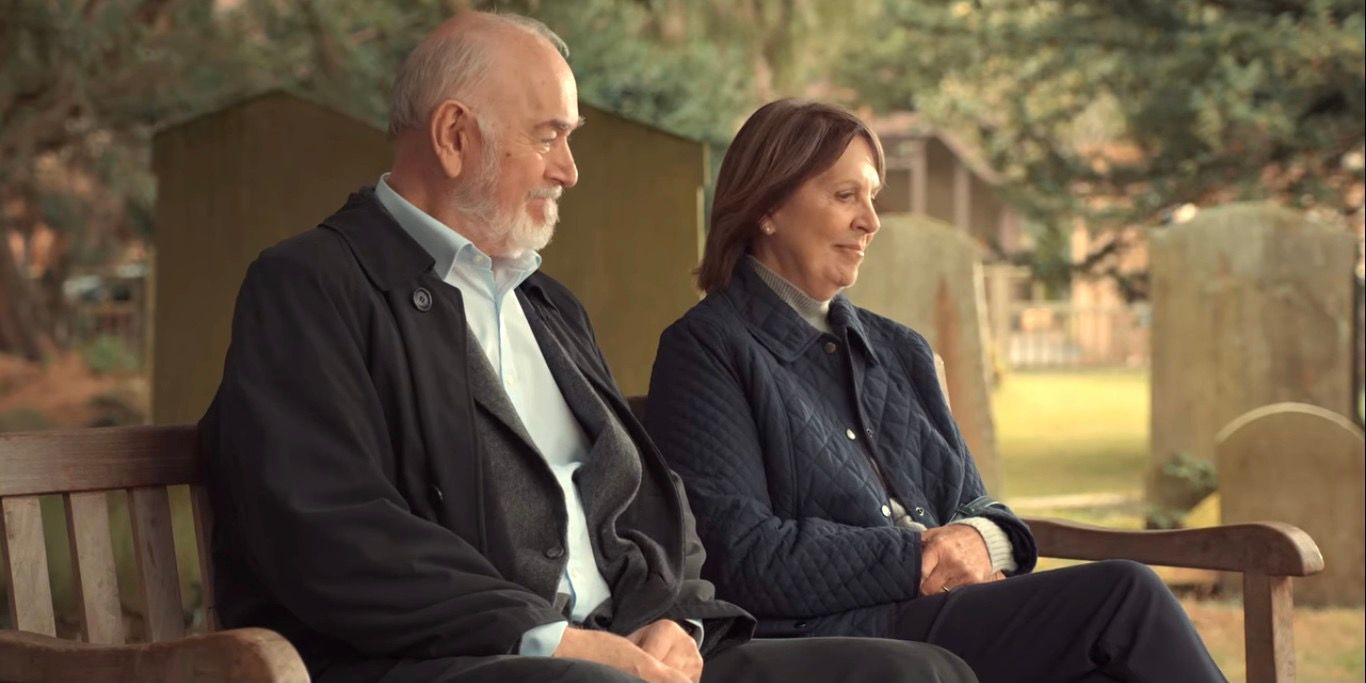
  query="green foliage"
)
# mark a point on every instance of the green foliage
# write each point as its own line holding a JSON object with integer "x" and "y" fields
{"x": 23, "y": 420}
{"x": 109, "y": 354}
{"x": 1119, "y": 112}
{"x": 117, "y": 408}
{"x": 1182, "y": 482}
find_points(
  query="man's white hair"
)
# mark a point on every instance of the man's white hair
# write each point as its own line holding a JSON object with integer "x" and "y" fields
{"x": 451, "y": 66}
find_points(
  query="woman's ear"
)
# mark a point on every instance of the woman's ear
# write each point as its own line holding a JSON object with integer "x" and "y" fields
{"x": 450, "y": 135}
{"x": 766, "y": 224}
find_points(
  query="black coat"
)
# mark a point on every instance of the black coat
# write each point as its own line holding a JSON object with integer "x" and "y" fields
{"x": 772, "y": 425}
{"x": 347, "y": 480}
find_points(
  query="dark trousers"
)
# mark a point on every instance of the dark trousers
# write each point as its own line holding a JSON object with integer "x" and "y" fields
{"x": 1105, "y": 621}
{"x": 806, "y": 660}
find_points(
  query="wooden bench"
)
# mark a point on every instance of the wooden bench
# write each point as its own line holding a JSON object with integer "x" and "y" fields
{"x": 81, "y": 465}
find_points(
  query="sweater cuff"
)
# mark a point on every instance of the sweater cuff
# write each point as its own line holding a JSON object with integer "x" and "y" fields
{"x": 998, "y": 544}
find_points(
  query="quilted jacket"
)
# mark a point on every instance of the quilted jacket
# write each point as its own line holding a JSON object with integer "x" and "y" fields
{"x": 775, "y": 426}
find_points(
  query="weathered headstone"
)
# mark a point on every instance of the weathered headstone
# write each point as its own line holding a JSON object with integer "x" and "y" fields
{"x": 1301, "y": 464}
{"x": 1252, "y": 305}
{"x": 927, "y": 275}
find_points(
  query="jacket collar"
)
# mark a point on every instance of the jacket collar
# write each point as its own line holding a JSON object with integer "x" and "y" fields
{"x": 389, "y": 256}
{"x": 781, "y": 329}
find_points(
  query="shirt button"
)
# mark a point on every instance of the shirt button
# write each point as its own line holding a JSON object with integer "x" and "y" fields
{"x": 850, "y": 433}
{"x": 831, "y": 347}
{"x": 555, "y": 553}
{"x": 919, "y": 511}
{"x": 887, "y": 511}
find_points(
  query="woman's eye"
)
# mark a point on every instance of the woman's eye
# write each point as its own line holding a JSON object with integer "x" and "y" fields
{"x": 844, "y": 196}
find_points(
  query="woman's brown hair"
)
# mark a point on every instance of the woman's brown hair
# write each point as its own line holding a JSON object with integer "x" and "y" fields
{"x": 781, "y": 146}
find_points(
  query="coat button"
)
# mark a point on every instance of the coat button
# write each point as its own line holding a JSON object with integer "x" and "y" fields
{"x": 555, "y": 553}
{"x": 436, "y": 492}
{"x": 850, "y": 433}
{"x": 919, "y": 511}
{"x": 887, "y": 511}
{"x": 868, "y": 432}
{"x": 831, "y": 347}
{"x": 422, "y": 299}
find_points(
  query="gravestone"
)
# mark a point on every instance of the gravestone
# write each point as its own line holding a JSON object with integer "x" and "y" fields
{"x": 927, "y": 275}
{"x": 1252, "y": 305}
{"x": 235, "y": 181}
{"x": 1301, "y": 464}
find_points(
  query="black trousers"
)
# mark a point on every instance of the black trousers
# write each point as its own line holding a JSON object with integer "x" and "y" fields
{"x": 1100, "y": 622}
{"x": 806, "y": 660}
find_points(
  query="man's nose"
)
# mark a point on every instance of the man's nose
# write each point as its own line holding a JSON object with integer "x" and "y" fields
{"x": 562, "y": 168}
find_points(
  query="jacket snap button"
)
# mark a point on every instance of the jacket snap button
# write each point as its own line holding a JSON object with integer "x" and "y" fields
{"x": 422, "y": 299}
{"x": 554, "y": 553}
{"x": 831, "y": 347}
{"x": 887, "y": 511}
{"x": 850, "y": 433}
{"x": 436, "y": 491}
{"x": 919, "y": 511}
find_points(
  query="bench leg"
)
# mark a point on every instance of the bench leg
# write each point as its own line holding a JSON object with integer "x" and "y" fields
{"x": 1268, "y": 625}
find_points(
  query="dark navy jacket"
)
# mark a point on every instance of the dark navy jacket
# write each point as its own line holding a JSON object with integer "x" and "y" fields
{"x": 772, "y": 425}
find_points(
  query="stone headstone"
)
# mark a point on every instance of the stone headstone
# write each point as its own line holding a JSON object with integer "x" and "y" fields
{"x": 1252, "y": 305}
{"x": 927, "y": 275}
{"x": 1301, "y": 464}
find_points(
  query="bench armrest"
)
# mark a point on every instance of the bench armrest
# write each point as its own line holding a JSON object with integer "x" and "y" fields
{"x": 1269, "y": 548}
{"x": 248, "y": 655}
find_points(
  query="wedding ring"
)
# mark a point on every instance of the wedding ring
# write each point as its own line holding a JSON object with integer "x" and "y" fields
{"x": 947, "y": 589}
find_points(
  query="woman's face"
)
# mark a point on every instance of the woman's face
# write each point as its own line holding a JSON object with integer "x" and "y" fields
{"x": 817, "y": 238}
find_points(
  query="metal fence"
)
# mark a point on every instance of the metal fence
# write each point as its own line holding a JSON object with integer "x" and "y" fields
{"x": 1059, "y": 334}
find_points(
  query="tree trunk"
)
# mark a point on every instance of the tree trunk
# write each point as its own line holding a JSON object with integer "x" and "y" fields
{"x": 24, "y": 329}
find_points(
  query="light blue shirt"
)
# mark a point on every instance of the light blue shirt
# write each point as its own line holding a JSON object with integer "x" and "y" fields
{"x": 496, "y": 319}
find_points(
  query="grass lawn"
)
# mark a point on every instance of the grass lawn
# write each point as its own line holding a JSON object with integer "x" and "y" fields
{"x": 1072, "y": 433}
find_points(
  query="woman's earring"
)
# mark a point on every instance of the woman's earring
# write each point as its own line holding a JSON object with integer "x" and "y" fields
{"x": 767, "y": 228}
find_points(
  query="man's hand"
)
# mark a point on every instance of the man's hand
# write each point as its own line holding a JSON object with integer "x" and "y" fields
{"x": 619, "y": 653}
{"x": 668, "y": 642}
{"x": 952, "y": 556}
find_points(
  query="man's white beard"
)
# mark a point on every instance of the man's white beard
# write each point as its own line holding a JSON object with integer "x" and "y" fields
{"x": 514, "y": 228}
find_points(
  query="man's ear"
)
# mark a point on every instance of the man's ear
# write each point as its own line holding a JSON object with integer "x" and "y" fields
{"x": 451, "y": 124}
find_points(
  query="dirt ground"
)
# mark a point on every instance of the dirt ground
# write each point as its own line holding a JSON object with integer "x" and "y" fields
{"x": 63, "y": 393}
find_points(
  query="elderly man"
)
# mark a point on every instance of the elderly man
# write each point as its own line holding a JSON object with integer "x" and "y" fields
{"x": 422, "y": 469}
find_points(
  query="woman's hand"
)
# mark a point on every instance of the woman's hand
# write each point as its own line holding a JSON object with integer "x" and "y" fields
{"x": 952, "y": 556}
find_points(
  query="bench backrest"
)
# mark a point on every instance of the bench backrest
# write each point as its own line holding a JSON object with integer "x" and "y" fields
{"x": 82, "y": 466}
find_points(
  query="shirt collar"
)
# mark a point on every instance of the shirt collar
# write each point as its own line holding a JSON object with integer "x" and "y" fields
{"x": 449, "y": 248}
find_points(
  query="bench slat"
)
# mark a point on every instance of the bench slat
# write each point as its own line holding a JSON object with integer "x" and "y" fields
{"x": 92, "y": 552}
{"x": 30, "y": 590}
{"x": 154, "y": 548}
{"x": 203, "y": 534}
{"x": 64, "y": 461}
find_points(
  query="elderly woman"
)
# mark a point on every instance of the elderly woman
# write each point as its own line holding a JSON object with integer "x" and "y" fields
{"x": 831, "y": 487}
